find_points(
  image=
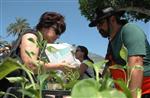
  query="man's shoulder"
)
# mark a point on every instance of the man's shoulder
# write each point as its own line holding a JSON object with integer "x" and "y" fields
{"x": 129, "y": 25}
{"x": 132, "y": 29}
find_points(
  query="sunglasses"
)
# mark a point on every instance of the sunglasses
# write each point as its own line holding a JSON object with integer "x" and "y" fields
{"x": 56, "y": 31}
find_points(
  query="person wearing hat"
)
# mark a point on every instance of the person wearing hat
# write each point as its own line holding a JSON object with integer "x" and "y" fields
{"x": 128, "y": 36}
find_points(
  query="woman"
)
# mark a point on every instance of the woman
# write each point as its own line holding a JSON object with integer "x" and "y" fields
{"x": 51, "y": 25}
{"x": 82, "y": 55}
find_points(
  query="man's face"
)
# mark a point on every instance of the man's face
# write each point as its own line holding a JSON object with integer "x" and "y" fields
{"x": 102, "y": 27}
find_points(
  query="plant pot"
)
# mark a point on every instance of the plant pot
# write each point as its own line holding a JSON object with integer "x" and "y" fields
{"x": 56, "y": 93}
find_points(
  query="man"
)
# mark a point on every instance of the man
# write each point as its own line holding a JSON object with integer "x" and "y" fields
{"x": 131, "y": 37}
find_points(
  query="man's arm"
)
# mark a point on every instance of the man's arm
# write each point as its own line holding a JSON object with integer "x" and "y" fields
{"x": 136, "y": 75}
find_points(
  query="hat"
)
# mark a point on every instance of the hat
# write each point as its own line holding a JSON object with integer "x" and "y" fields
{"x": 101, "y": 14}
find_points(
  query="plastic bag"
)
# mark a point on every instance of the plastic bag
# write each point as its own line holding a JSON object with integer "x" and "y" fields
{"x": 62, "y": 52}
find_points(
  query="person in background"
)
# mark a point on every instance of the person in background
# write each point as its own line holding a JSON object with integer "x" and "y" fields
{"x": 130, "y": 37}
{"x": 85, "y": 70}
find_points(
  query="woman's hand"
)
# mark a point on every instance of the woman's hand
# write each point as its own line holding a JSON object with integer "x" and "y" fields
{"x": 65, "y": 65}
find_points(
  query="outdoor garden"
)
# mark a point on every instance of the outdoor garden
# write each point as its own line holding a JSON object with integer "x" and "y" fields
{"x": 45, "y": 84}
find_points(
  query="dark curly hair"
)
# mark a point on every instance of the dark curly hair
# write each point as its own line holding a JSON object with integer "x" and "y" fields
{"x": 52, "y": 19}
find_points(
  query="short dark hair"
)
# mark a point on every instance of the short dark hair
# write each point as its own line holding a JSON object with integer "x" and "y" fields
{"x": 52, "y": 19}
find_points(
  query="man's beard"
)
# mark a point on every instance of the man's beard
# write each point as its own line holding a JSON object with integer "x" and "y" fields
{"x": 104, "y": 34}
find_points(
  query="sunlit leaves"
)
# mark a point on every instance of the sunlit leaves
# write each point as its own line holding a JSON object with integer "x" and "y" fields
{"x": 30, "y": 54}
{"x": 124, "y": 53}
{"x": 124, "y": 87}
{"x": 87, "y": 85}
{"x": 89, "y": 88}
{"x": 8, "y": 66}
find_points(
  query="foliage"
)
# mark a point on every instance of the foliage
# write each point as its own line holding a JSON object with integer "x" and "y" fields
{"x": 17, "y": 27}
{"x": 32, "y": 85}
{"x": 98, "y": 88}
{"x": 104, "y": 87}
{"x": 136, "y": 10}
{"x": 9, "y": 65}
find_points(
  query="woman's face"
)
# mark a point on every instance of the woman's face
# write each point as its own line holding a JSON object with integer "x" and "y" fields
{"x": 79, "y": 54}
{"x": 50, "y": 35}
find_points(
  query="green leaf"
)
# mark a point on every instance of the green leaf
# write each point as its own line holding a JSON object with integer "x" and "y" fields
{"x": 139, "y": 93}
{"x": 30, "y": 54}
{"x": 139, "y": 67}
{"x": 31, "y": 86}
{"x": 124, "y": 53}
{"x": 43, "y": 46}
{"x": 117, "y": 67}
{"x": 31, "y": 39}
{"x": 106, "y": 82}
{"x": 42, "y": 78}
{"x": 86, "y": 88}
{"x": 39, "y": 45}
{"x": 4, "y": 93}
{"x": 40, "y": 36}
{"x": 97, "y": 67}
{"x": 1, "y": 93}
{"x": 49, "y": 48}
{"x": 9, "y": 65}
{"x": 124, "y": 87}
{"x": 90, "y": 64}
{"x": 111, "y": 94}
{"x": 17, "y": 79}
{"x": 70, "y": 84}
{"x": 30, "y": 92}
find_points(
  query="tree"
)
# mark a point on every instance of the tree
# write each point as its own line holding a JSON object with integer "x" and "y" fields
{"x": 135, "y": 9}
{"x": 17, "y": 27}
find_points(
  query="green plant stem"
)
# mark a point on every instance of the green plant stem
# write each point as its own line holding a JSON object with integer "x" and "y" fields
{"x": 97, "y": 76}
{"x": 40, "y": 89}
{"x": 11, "y": 95}
{"x": 31, "y": 78}
{"x": 129, "y": 75}
{"x": 22, "y": 85}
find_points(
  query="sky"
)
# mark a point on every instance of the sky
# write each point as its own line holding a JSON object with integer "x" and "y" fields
{"x": 77, "y": 31}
